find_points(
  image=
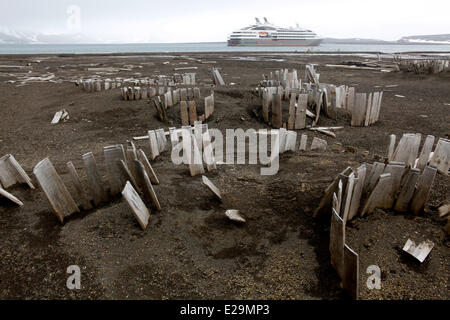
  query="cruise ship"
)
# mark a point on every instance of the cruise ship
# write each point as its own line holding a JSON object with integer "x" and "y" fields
{"x": 267, "y": 34}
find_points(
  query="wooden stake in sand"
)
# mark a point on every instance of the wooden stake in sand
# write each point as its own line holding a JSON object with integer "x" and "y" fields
{"x": 148, "y": 167}
{"x": 81, "y": 196}
{"x": 441, "y": 157}
{"x": 55, "y": 190}
{"x": 154, "y": 149}
{"x": 300, "y": 115}
{"x": 350, "y": 280}
{"x": 337, "y": 241}
{"x": 423, "y": 188}
{"x": 406, "y": 193}
{"x": 145, "y": 185}
{"x": 113, "y": 155}
{"x": 94, "y": 181}
{"x": 277, "y": 115}
{"x": 192, "y": 112}
{"x": 11, "y": 172}
{"x": 136, "y": 204}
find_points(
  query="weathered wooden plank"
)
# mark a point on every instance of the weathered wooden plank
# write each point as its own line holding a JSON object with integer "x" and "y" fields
{"x": 55, "y": 190}
{"x": 350, "y": 280}
{"x": 350, "y": 99}
{"x": 318, "y": 144}
{"x": 391, "y": 148}
{"x": 208, "y": 152}
{"x": 378, "y": 192}
{"x": 373, "y": 176}
{"x": 368, "y": 110}
{"x": 291, "y": 140}
{"x": 422, "y": 193}
{"x": 291, "y": 120}
{"x": 184, "y": 113}
{"x": 406, "y": 190}
{"x": 196, "y": 163}
{"x": 337, "y": 241}
{"x": 300, "y": 116}
{"x": 357, "y": 192}
{"x": 161, "y": 140}
{"x": 303, "y": 142}
{"x": 113, "y": 154}
{"x": 348, "y": 196}
{"x": 11, "y": 172}
{"x": 81, "y": 196}
{"x": 265, "y": 106}
{"x": 143, "y": 180}
{"x": 374, "y": 108}
{"x": 136, "y": 204}
{"x": 396, "y": 171}
{"x": 211, "y": 187}
{"x": 425, "y": 153}
{"x": 148, "y": 167}
{"x": 127, "y": 174}
{"x": 277, "y": 115}
{"x": 441, "y": 157}
{"x": 192, "y": 112}
{"x": 154, "y": 149}
{"x": 359, "y": 110}
{"x": 95, "y": 183}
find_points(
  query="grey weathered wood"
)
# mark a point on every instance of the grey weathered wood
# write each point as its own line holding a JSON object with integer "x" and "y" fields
{"x": 406, "y": 190}
{"x": 372, "y": 177}
{"x": 161, "y": 140}
{"x": 422, "y": 193}
{"x": 127, "y": 174}
{"x": 291, "y": 120}
{"x": 441, "y": 156}
{"x": 212, "y": 187}
{"x": 265, "y": 106}
{"x": 12, "y": 173}
{"x": 350, "y": 280}
{"x": 114, "y": 154}
{"x": 277, "y": 115}
{"x": 357, "y": 192}
{"x": 81, "y": 196}
{"x": 131, "y": 156}
{"x": 348, "y": 196}
{"x": 396, "y": 171}
{"x": 234, "y": 216}
{"x": 208, "y": 152}
{"x": 94, "y": 181}
{"x": 368, "y": 110}
{"x": 318, "y": 144}
{"x": 145, "y": 184}
{"x": 391, "y": 148}
{"x": 350, "y": 98}
{"x": 282, "y": 135}
{"x": 425, "y": 153}
{"x": 337, "y": 241}
{"x": 328, "y": 195}
{"x": 379, "y": 191}
{"x": 291, "y": 140}
{"x": 300, "y": 115}
{"x": 148, "y": 167}
{"x": 359, "y": 110}
{"x": 303, "y": 142}
{"x": 55, "y": 190}
{"x": 154, "y": 149}
{"x": 184, "y": 113}
{"x": 10, "y": 197}
{"x": 192, "y": 112}
{"x": 196, "y": 163}
{"x": 407, "y": 149}
{"x": 136, "y": 204}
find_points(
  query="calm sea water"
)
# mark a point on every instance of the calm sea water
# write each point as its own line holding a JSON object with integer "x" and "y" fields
{"x": 204, "y": 47}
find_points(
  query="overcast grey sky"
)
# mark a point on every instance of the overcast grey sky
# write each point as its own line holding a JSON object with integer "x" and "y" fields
{"x": 210, "y": 20}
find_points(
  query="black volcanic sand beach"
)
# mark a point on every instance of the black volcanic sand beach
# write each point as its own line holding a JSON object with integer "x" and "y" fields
{"x": 190, "y": 250}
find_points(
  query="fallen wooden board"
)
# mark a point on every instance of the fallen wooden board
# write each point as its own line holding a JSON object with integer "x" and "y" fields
{"x": 212, "y": 187}
{"x": 318, "y": 144}
{"x": 234, "y": 215}
{"x": 136, "y": 204}
{"x": 145, "y": 184}
{"x": 55, "y": 190}
{"x": 421, "y": 251}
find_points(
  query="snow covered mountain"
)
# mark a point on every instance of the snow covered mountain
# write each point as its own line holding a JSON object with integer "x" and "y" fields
{"x": 424, "y": 39}
{"x": 9, "y": 36}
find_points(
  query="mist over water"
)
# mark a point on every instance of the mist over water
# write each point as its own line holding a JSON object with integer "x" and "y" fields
{"x": 205, "y": 47}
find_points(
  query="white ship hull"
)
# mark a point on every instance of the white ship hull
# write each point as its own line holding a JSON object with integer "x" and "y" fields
{"x": 274, "y": 42}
